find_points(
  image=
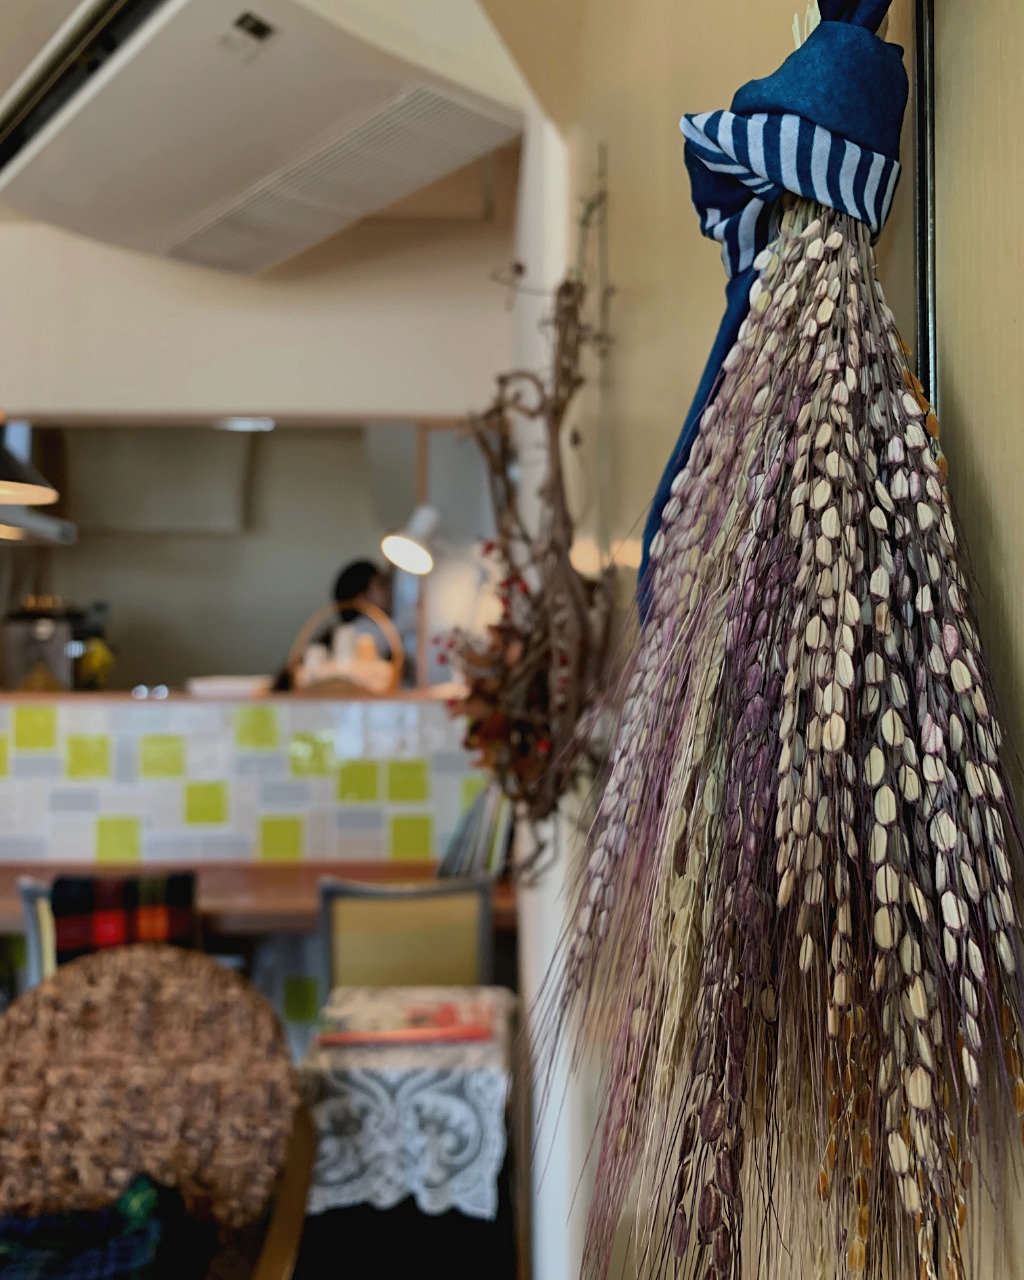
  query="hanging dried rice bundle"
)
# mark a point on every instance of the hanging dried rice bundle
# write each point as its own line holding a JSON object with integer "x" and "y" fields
{"x": 795, "y": 929}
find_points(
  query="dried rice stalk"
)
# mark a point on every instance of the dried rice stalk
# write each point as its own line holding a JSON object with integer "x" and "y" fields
{"x": 796, "y": 915}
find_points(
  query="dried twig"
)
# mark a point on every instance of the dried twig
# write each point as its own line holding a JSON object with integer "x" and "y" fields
{"x": 534, "y": 678}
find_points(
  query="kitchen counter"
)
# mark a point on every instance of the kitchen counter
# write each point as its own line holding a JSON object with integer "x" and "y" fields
{"x": 110, "y": 779}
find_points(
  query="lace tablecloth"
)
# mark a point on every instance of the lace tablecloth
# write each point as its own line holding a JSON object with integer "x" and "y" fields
{"x": 426, "y": 1121}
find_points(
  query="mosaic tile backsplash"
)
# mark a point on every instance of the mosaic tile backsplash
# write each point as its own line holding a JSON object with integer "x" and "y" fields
{"x": 119, "y": 781}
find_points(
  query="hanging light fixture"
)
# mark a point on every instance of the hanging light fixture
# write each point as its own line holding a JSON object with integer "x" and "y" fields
{"x": 409, "y": 548}
{"x": 20, "y": 483}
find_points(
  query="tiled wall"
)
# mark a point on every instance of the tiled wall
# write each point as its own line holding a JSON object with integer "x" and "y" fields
{"x": 120, "y": 781}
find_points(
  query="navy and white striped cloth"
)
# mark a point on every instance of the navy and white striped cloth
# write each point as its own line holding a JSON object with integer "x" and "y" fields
{"x": 770, "y": 155}
{"x": 826, "y": 126}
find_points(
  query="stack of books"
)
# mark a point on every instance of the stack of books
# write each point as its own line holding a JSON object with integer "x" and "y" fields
{"x": 481, "y": 841}
{"x": 459, "y": 1020}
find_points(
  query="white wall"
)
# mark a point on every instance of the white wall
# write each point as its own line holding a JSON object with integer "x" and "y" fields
{"x": 562, "y": 1132}
{"x": 213, "y": 605}
{"x": 391, "y": 318}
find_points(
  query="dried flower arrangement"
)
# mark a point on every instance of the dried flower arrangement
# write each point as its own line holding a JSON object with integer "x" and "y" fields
{"x": 796, "y": 920}
{"x": 532, "y": 682}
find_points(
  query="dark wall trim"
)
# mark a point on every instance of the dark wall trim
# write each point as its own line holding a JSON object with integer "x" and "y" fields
{"x": 927, "y": 333}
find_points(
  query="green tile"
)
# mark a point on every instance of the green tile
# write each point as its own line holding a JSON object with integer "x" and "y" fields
{"x": 358, "y": 782}
{"x": 281, "y": 839}
{"x": 301, "y": 999}
{"x": 118, "y": 839}
{"x": 311, "y": 755}
{"x": 35, "y": 728}
{"x": 412, "y": 837}
{"x": 206, "y": 802}
{"x": 471, "y": 788}
{"x": 256, "y": 728}
{"x": 408, "y": 781}
{"x": 5, "y": 756}
{"x": 161, "y": 755}
{"x": 88, "y": 756}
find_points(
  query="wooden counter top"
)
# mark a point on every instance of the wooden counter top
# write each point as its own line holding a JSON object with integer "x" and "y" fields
{"x": 248, "y": 898}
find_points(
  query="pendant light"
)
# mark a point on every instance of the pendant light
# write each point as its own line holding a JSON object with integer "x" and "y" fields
{"x": 20, "y": 483}
{"x": 409, "y": 549}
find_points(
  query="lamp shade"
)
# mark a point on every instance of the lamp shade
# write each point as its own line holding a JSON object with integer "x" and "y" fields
{"x": 409, "y": 548}
{"x": 21, "y": 483}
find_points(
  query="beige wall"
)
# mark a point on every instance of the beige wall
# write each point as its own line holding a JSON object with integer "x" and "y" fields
{"x": 214, "y": 605}
{"x": 631, "y": 71}
{"x": 980, "y": 182}
{"x": 980, "y": 164}
{"x": 451, "y": 38}
{"x": 392, "y": 318}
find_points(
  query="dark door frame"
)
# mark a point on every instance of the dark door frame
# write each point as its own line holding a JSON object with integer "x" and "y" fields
{"x": 927, "y": 335}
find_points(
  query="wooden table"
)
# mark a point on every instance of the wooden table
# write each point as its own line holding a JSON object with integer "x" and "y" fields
{"x": 248, "y": 899}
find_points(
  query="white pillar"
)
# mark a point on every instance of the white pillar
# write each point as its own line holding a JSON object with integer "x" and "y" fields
{"x": 544, "y": 245}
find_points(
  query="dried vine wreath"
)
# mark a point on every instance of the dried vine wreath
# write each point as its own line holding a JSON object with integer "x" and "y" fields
{"x": 531, "y": 682}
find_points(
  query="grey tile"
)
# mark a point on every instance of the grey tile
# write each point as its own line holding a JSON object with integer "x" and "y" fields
{"x": 75, "y": 800}
{"x": 22, "y": 848}
{"x": 229, "y": 846}
{"x": 360, "y": 821}
{"x": 164, "y": 847}
{"x": 358, "y": 848}
{"x": 25, "y": 766}
{"x": 284, "y": 795}
{"x": 126, "y": 760}
{"x": 450, "y": 762}
{"x": 260, "y": 765}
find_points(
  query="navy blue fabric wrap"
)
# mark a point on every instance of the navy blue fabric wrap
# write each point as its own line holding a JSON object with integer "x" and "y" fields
{"x": 827, "y": 126}
{"x": 863, "y": 13}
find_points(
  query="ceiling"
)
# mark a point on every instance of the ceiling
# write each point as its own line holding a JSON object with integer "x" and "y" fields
{"x": 26, "y": 26}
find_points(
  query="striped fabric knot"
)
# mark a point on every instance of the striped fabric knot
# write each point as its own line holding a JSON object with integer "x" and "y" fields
{"x": 826, "y": 126}
{"x": 750, "y": 162}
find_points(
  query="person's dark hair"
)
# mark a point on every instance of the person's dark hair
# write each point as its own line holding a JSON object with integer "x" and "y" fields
{"x": 354, "y": 580}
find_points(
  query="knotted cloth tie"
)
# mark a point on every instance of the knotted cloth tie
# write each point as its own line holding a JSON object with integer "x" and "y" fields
{"x": 826, "y": 126}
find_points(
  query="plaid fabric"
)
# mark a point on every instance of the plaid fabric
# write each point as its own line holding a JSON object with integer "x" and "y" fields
{"x": 119, "y": 1243}
{"x": 93, "y": 912}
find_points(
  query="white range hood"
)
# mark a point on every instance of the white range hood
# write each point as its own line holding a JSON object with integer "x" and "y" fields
{"x": 226, "y": 133}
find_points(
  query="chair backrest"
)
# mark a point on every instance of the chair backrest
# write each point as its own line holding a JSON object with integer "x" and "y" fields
{"x": 40, "y": 937}
{"x": 76, "y": 915}
{"x": 432, "y": 934}
{"x": 93, "y": 912}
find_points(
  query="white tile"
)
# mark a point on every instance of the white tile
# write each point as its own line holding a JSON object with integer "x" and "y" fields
{"x": 27, "y": 803}
{"x": 73, "y": 839}
{"x": 162, "y": 804}
{"x": 321, "y": 836}
{"x": 84, "y": 717}
{"x": 130, "y": 801}
{"x": 349, "y": 731}
{"x": 384, "y": 715}
{"x": 209, "y": 756}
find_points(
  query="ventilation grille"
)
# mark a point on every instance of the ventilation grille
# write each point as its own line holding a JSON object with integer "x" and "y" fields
{"x": 415, "y": 139}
